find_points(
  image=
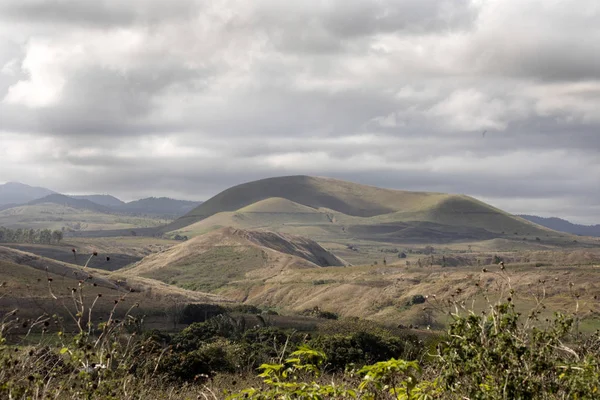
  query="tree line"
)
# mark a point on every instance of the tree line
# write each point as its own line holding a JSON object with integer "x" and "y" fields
{"x": 20, "y": 235}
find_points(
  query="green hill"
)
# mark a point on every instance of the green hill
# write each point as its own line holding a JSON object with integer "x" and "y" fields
{"x": 330, "y": 209}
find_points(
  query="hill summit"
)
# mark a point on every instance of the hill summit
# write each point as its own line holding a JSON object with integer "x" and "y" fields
{"x": 325, "y": 209}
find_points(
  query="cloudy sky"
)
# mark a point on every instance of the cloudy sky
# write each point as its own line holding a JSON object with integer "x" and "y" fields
{"x": 186, "y": 98}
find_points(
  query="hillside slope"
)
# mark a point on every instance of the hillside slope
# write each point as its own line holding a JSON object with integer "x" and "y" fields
{"x": 105, "y": 200}
{"x": 562, "y": 225}
{"x": 73, "y": 215}
{"x": 213, "y": 260}
{"x": 330, "y": 209}
{"x": 18, "y": 193}
{"x": 68, "y": 201}
{"x": 160, "y": 206}
{"x": 29, "y": 281}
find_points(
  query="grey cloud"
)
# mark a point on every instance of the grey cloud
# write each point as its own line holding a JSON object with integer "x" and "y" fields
{"x": 100, "y": 101}
{"x": 97, "y": 13}
{"x": 553, "y": 41}
{"x": 186, "y": 99}
{"x": 332, "y": 26}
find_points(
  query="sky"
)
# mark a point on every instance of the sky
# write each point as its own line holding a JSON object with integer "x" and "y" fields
{"x": 497, "y": 99}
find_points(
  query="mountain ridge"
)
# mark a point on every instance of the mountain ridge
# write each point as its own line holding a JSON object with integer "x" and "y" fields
{"x": 106, "y": 200}
{"x": 563, "y": 225}
{"x": 19, "y": 193}
{"x": 61, "y": 199}
{"x": 325, "y": 208}
{"x": 15, "y": 194}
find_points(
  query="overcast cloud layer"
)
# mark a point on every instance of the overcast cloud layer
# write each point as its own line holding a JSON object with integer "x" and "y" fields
{"x": 186, "y": 98}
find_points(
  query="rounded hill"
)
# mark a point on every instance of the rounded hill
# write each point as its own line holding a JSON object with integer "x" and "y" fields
{"x": 331, "y": 209}
{"x": 314, "y": 192}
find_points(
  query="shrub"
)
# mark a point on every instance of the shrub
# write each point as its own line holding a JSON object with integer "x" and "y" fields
{"x": 244, "y": 309}
{"x": 497, "y": 356}
{"x": 362, "y": 348}
{"x": 210, "y": 358}
{"x": 199, "y": 333}
{"x": 417, "y": 299}
{"x": 317, "y": 312}
{"x": 298, "y": 378}
{"x": 200, "y": 312}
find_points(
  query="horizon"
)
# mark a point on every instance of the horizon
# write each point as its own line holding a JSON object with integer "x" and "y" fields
{"x": 495, "y": 99}
{"x": 203, "y": 200}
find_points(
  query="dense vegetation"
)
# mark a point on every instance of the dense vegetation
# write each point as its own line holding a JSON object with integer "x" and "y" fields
{"x": 20, "y": 235}
{"x": 495, "y": 354}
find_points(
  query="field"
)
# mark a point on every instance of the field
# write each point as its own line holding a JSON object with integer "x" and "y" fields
{"x": 54, "y": 216}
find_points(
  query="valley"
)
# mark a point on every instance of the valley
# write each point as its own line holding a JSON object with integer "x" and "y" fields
{"x": 294, "y": 243}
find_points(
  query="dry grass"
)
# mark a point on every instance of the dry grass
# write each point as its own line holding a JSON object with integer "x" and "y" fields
{"x": 214, "y": 260}
{"x": 383, "y": 293}
{"x": 35, "y": 284}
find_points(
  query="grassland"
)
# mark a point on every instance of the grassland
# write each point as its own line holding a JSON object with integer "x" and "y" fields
{"x": 212, "y": 269}
{"x": 55, "y": 216}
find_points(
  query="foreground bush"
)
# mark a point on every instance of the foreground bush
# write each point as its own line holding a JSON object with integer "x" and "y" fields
{"x": 497, "y": 354}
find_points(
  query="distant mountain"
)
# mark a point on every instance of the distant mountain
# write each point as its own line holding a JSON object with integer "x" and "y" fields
{"x": 81, "y": 204}
{"x": 19, "y": 193}
{"x": 101, "y": 199}
{"x": 330, "y": 209}
{"x": 159, "y": 206}
{"x": 7, "y": 206}
{"x": 13, "y": 194}
{"x": 562, "y": 225}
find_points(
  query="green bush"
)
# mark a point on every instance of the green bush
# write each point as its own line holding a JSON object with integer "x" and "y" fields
{"x": 417, "y": 299}
{"x": 362, "y": 348}
{"x": 206, "y": 361}
{"x": 244, "y": 309}
{"x": 199, "y": 333}
{"x": 317, "y": 312}
{"x": 497, "y": 355}
{"x": 200, "y": 312}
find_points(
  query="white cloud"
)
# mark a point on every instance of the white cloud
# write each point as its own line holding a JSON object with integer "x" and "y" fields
{"x": 189, "y": 97}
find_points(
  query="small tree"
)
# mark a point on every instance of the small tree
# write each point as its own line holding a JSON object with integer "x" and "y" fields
{"x": 57, "y": 236}
{"x": 46, "y": 236}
